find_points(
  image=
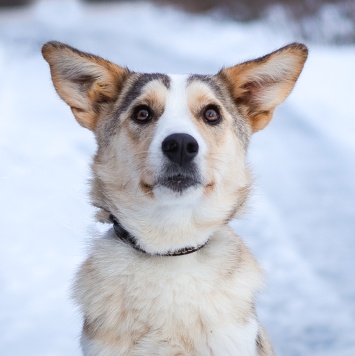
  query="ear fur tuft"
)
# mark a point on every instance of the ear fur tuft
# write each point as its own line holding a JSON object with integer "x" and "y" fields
{"x": 84, "y": 81}
{"x": 258, "y": 86}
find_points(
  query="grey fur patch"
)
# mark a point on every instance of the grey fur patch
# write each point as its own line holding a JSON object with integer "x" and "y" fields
{"x": 263, "y": 344}
{"x": 210, "y": 81}
{"x": 137, "y": 86}
{"x": 223, "y": 94}
{"x": 134, "y": 90}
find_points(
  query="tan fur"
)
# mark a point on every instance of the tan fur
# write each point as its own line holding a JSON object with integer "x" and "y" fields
{"x": 203, "y": 303}
{"x": 258, "y": 86}
{"x": 263, "y": 343}
{"x": 85, "y": 82}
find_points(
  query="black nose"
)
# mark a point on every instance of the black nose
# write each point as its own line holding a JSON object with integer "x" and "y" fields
{"x": 180, "y": 148}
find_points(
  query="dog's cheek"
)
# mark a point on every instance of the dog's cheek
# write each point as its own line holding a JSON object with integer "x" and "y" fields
{"x": 135, "y": 143}
{"x": 223, "y": 149}
{"x": 231, "y": 175}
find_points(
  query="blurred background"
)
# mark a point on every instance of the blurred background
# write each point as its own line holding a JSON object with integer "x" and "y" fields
{"x": 301, "y": 221}
{"x": 321, "y": 20}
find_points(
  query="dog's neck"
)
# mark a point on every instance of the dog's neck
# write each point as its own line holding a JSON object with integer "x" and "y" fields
{"x": 128, "y": 238}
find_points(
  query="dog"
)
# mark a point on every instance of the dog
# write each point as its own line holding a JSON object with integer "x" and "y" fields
{"x": 170, "y": 171}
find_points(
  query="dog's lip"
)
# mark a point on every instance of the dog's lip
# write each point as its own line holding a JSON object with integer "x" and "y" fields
{"x": 178, "y": 182}
{"x": 150, "y": 186}
{"x": 147, "y": 188}
{"x": 178, "y": 177}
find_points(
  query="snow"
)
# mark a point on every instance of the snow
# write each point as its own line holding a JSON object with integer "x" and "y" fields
{"x": 301, "y": 221}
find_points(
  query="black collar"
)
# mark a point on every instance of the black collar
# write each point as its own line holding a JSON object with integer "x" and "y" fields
{"x": 125, "y": 236}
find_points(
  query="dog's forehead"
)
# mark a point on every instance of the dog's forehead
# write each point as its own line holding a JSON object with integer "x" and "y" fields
{"x": 178, "y": 87}
{"x": 176, "y": 112}
{"x": 194, "y": 84}
{"x": 138, "y": 84}
{"x": 176, "y": 99}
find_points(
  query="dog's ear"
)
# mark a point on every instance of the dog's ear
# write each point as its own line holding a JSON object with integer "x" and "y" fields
{"x": 258, "y": 86}
{"x": 87, "y": 83}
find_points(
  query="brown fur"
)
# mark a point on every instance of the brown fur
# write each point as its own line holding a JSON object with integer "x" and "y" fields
{"x": 87, "y": 90}
{"x": 248, "y": 82}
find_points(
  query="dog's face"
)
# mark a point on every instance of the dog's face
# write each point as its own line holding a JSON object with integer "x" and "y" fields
{"x": 171, "y": 151}
{"x": 174, "y": 141}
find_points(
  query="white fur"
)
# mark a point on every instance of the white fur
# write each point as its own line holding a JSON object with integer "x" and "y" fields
{"x": 221, "y": 343}
{"x": 176, "y": 119}
{"x": 172, "y": 299}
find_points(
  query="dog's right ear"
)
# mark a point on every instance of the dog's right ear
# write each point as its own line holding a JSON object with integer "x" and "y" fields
{"x": 87, "y": 83}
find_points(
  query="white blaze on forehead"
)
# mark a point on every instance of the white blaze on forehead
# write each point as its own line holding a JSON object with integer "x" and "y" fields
{"x": 177, "y": 117}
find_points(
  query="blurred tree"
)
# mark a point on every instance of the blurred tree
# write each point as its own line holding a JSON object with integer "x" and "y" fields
{"x": 245, "y": 10}
{"x": 327, "y": 21}
{"x": 9, "y": 3}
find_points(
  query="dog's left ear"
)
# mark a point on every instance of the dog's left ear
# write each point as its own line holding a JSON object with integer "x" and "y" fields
{"x": 87, "y": 83}
{"x": 260, "y": 85}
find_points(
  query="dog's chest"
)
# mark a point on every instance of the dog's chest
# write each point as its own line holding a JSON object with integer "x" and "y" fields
{"x": 184, "y": 308}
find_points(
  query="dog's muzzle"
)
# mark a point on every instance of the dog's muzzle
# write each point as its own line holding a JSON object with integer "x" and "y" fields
{"x": 180, "y": 170}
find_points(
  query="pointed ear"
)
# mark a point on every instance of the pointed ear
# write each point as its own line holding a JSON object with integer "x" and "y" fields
{"x": 87, "y": 83}
{"x": 260, "y": 85}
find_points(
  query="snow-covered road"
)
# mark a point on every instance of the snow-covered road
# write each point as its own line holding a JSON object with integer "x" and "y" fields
{"x": 301, "y": 221}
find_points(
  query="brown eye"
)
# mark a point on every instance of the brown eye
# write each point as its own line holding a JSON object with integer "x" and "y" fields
{"x": 142, "y": 114}
{"x": 211, "y": 115}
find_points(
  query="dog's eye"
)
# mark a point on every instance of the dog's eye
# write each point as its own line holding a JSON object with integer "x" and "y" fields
{"x": 211, "y": 115}
{"x": 142, "y": 114}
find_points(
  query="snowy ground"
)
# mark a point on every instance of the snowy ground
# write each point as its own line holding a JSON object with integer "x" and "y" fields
{"x": 301, "y": 223}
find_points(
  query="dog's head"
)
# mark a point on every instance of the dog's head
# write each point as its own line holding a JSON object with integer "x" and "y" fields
{"x": 171, "y": 152}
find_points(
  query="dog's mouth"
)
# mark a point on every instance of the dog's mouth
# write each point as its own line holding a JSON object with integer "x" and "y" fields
{"x": 177, "y": 179}
{"x": 178, "y": 182}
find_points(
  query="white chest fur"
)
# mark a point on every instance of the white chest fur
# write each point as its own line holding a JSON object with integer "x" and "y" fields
{"x": 198, "y": 304}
